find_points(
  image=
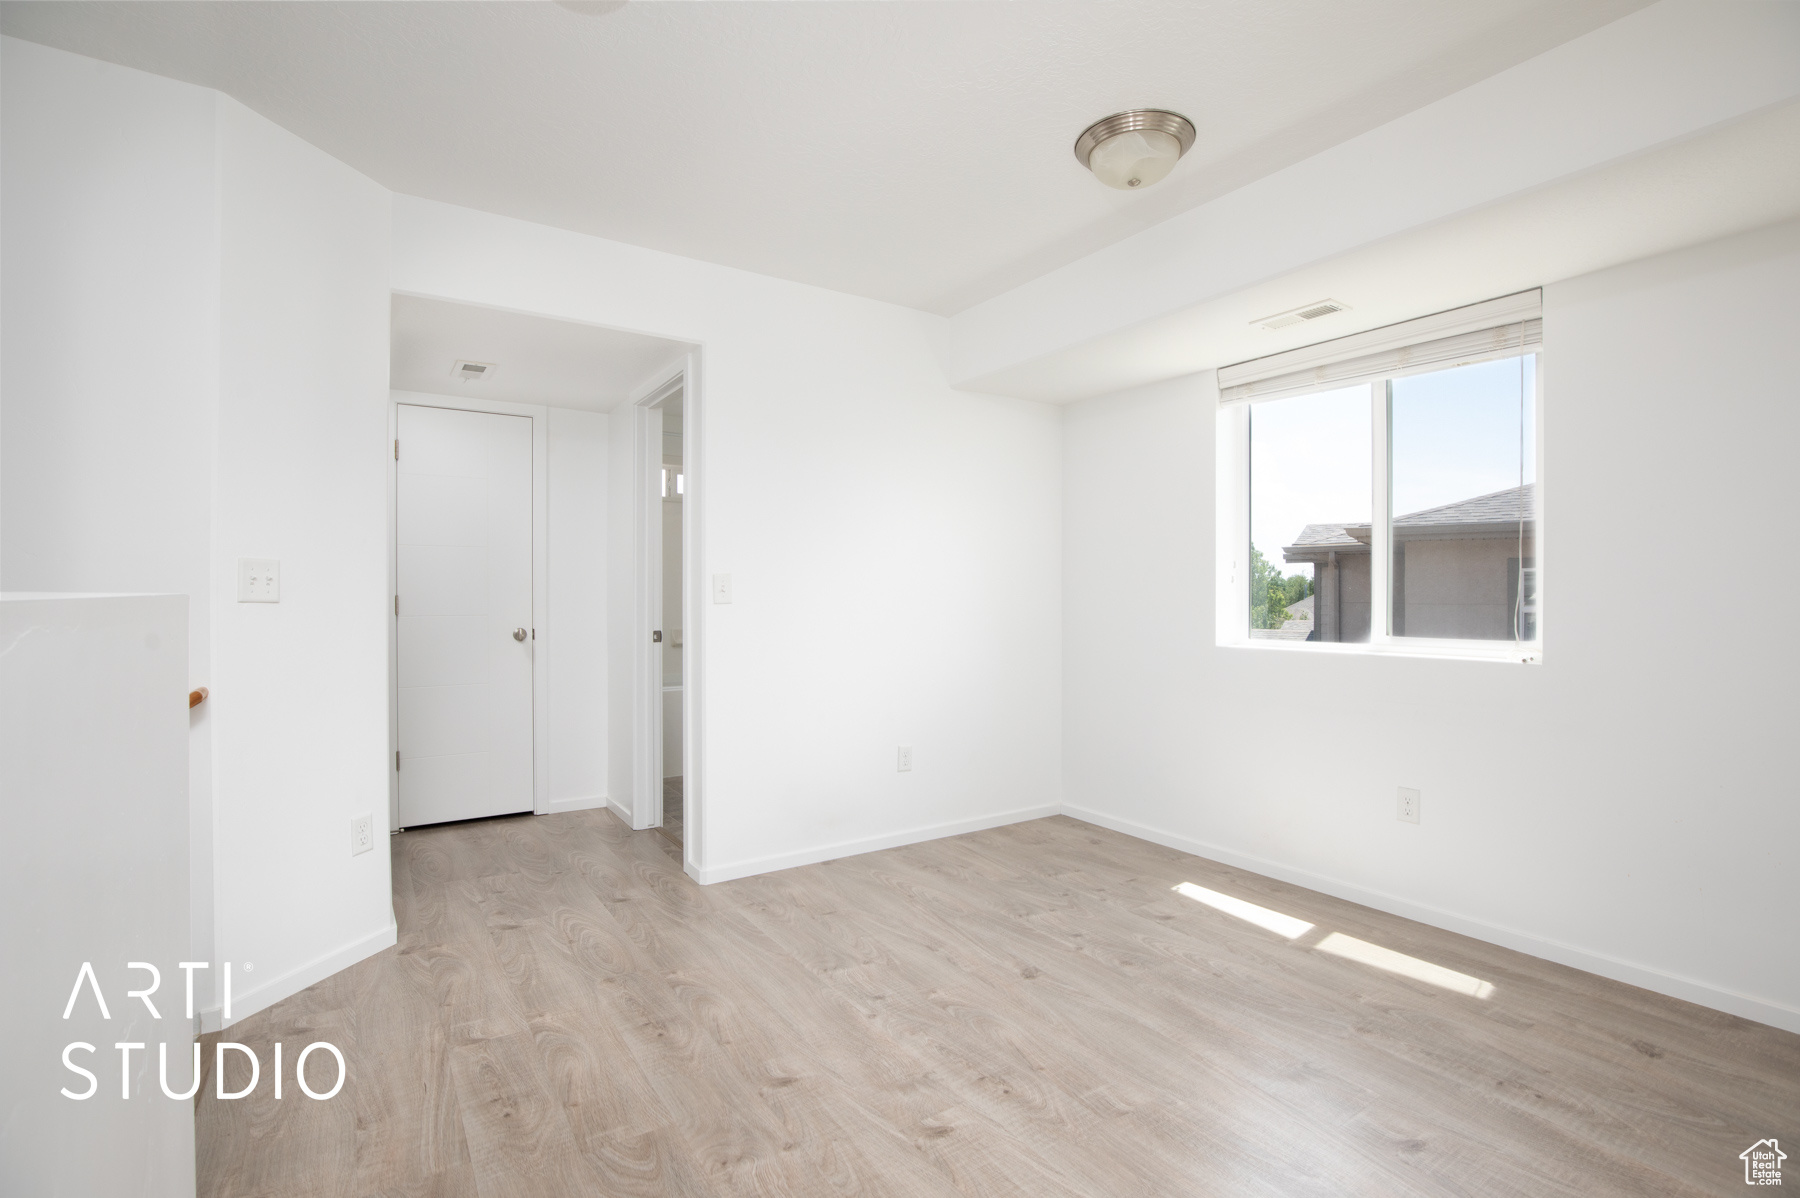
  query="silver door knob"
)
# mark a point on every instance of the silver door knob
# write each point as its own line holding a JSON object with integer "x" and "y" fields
{"x": 518, "y": 634}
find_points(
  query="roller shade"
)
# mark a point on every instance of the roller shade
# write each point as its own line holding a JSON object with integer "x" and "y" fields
{"x": 1496, "y": 328}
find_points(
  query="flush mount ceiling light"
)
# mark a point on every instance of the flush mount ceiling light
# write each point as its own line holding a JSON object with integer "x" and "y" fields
{"x": 1131, "y": 150}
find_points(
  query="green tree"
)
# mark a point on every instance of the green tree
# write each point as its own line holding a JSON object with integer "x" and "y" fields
{"x": 1268, "y": 593}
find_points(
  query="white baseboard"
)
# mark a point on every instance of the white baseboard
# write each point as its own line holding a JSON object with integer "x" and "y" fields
{"x": 1674, "y": 985}
{"x": 582, "y": 803}
{"x": 268, "y": 993}
{"x": 618, "y": 809}
{"x": 852, "y": 848}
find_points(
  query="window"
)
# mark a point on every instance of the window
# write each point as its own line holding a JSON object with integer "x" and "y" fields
{"x": 1463, "y": 524}
{"x": 1310, "y": 480}
{"x": 1380, "y": 491}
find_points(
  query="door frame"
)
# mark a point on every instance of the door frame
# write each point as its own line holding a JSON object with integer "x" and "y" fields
{"x": 539, "y": 416}
{"x": 647, "y": 729}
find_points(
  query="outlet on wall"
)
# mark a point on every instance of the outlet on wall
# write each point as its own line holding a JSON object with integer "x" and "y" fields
{"x": 259, "y": 580}
{"x": 362, "y": 833}
{"x": 903, "y": 759}
{"x": 1406, "y": 806}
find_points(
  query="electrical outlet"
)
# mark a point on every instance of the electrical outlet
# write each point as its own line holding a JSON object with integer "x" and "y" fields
{"x": 1406, "y": 806}
{"x": 362, "y": 834}
{"x": 259, "y": 580}
{"x": 721, "y": 588}
{"x": 903, "y": 759}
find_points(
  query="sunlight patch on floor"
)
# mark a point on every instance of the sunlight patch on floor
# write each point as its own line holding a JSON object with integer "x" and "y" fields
{"x": 1352, "y": 949}
{"x": 1338, "y": 944}
{"x": 1262, "y": 917}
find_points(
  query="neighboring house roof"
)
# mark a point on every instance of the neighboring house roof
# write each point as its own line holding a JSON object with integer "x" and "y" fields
{"x": 1501, "y": 507}
{"x": 1325, "y": 536}
{"x": 1491, "y": 514}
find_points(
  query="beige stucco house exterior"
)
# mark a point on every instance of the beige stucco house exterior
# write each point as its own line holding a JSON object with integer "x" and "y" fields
{"x": 1457, "y": 571}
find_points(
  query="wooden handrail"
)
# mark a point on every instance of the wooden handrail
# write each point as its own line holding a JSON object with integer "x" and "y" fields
{"x": 196, "y": 696}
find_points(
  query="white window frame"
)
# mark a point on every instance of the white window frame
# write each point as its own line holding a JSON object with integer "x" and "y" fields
{"x": 1232, "y": 541}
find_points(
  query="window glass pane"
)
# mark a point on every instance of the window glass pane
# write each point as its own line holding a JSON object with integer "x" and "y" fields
{"x": 1310, "y": 488}
{"x": 1462, "y": 472}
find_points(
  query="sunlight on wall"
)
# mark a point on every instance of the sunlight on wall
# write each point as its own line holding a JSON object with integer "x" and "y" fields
{"x": 1350, "y": 948}
{"x": 1262, "y": 917}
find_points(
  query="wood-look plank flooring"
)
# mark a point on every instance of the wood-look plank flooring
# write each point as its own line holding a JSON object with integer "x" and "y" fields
{"x": 672, "y": 809}
{"x": 1026, "y": 1011}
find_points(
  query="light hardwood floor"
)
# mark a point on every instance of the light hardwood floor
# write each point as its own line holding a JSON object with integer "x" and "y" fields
{"x": 1024, "y": 1011}
{"x": 672, "y": 812}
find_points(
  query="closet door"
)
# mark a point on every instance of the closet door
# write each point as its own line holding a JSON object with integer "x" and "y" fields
{"x": 466, "y": 644}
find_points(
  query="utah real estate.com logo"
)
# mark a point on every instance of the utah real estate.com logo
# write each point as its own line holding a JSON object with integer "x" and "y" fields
{"x": 1762, "y": 1163}
{"x": 87, "y": 979}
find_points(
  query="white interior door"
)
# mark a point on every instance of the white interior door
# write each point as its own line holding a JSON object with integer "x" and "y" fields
{"x": 465, "y": 638}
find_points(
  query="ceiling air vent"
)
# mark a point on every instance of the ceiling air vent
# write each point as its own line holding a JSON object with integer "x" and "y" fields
{"x": 472, "y": 372}
{"x": 1293, "y": 316}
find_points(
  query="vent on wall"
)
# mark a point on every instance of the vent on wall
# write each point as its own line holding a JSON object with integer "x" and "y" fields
{"x": 1293, "y": 316}
{"x": 472, "y": 372}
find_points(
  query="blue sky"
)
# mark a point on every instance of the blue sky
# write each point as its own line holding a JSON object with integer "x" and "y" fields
{"x": 1456, "y": 434}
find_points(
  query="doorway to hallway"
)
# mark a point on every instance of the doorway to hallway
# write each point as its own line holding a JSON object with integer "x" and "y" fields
{"x": 671, "y": 479}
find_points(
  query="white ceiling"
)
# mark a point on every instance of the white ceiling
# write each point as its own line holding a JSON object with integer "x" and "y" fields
{"x": 557, "y": 363}
{"x": 915, "y": 152}
{"x": 1729, "y": 180}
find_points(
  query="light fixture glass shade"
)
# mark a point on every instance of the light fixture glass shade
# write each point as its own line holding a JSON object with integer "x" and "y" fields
{"x": 1131, "y": 150}
{"x": 1135, "y": 159}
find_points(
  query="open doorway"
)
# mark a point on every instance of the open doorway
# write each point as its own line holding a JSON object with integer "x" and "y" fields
{"x": 672, "y": 487}
{"x": 504, "y": 549}
{"x": 662, "y": 758}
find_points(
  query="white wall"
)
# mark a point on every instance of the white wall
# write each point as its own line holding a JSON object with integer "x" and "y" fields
{"x": 673, "y": 595}
{"x": 894, "y": 545}
{"x": 577, "y": 658}
{"x": 1624, "y": 807}
{"x": 196, "y": 370}
{"x": 301, "y": 686}
{"x": 672, "y": 587}
{"x": 93, "y": 765}
{"x": 109, "y": 376}
{"x": 621, "y": 600}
